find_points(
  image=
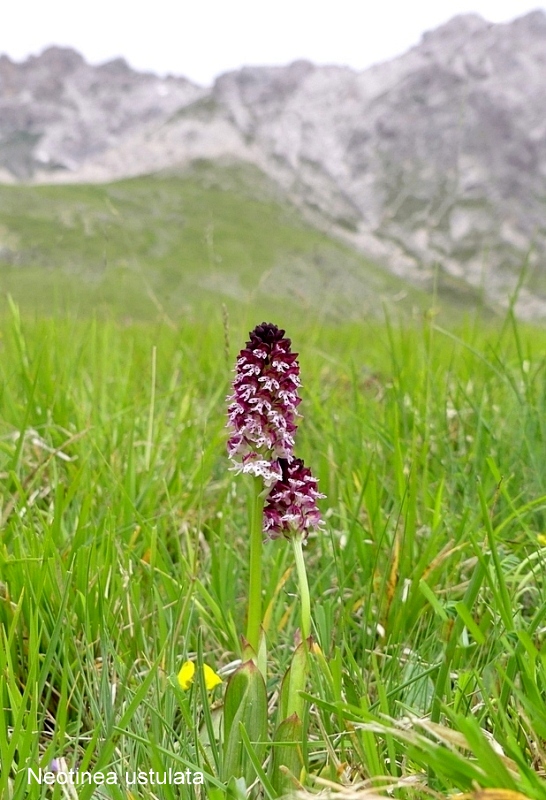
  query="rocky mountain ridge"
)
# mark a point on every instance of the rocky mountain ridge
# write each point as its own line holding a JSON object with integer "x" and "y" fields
{"x": 57, "y": 112}
{"x": 434, "y": 160}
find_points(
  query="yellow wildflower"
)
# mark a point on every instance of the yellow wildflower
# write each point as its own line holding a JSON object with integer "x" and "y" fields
{"x": 187, "y": 674}
{"x": 211, "y": 678}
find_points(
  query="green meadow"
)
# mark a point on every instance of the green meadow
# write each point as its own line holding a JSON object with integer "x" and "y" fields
{"x": 163, "y": 246}
{"x": 124, "y": 533}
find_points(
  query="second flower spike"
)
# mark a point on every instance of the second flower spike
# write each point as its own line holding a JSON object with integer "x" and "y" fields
{"x": 291, "y": 505}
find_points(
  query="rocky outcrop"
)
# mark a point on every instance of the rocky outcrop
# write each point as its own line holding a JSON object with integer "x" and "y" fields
{"x": 57, "y": 112}
{"x": 434, "y": 160}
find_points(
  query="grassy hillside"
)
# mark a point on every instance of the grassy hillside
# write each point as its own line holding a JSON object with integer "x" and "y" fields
{"x": 163, "y": 246}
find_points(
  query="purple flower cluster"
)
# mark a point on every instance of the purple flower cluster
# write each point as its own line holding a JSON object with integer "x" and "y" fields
{"x": 262, "y": 412}
{"x": 262, "y": 417}
{"x": 291, "y": 506}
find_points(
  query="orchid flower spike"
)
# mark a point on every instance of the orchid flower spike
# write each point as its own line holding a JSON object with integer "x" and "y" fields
{"x": 263, "y": 406}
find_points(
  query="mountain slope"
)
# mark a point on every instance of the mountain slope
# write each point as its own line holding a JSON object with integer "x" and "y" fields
{"x": 171, "y": 246}
{"x": 435, "y": 160}
{"x": 56, "y": 111}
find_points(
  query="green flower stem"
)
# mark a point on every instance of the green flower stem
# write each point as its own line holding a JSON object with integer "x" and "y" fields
{"x": 304, "y": 588}
{"x": 254, "y": 619}
{"x": 297, "y": 675}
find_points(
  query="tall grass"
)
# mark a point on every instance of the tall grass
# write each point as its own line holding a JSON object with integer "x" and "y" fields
{"x": 123, "y": 553}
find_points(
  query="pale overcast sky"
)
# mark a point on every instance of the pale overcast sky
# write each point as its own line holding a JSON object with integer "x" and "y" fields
{"x": 202, "y": 38}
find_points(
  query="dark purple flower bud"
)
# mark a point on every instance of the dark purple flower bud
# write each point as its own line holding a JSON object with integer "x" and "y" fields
{"x": 291, "y": 507}
{"x": 262, "y": 412}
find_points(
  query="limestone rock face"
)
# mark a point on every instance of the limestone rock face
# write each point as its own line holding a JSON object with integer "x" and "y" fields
{"x": 436, "y": 159}
{"x": 56, "y": 111}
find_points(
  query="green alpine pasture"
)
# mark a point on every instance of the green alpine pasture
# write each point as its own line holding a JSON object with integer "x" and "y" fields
{"x": 124, "y": 534}
{"x": 165, "y": 245}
